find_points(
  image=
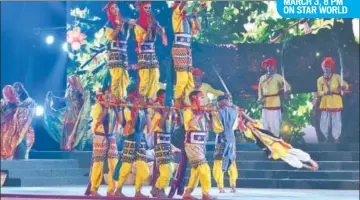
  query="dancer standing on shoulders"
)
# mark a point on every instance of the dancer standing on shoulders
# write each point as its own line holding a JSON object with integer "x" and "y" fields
{"x": 183, "y": 26}
{"x": 196, "y": 124}
{"x": 329, "y": 90}
{"x": 117, "y": 31}
{"x": 105, "y": 118}
{"x": 148, "y": 65}
{"x": 270, "y": 86}
{"x": 225, "y": 122}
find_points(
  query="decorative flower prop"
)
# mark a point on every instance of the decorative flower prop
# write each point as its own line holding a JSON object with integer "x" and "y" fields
{"x": 75, "y": 38}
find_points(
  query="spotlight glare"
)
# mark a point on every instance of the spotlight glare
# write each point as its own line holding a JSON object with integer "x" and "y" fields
{"x": 39, "y": 111}
{"x": 65, "y": 47}
{"x": 50, "y": 39}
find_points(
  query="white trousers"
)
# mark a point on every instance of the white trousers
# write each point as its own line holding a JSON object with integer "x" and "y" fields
{"x": 271, "y": 120}
{"x": 333, "y": 119}
{"x": 296, "y": 157}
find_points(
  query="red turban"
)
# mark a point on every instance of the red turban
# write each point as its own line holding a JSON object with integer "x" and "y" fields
{"x": 197, "y": 72}
{"x": 143, "y": 17}
{"x": 328, "y": 61}
{"x": 268, "y": 62}
{"x": 110, "y": 15}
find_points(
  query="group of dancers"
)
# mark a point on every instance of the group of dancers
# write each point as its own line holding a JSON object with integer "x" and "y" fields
{"x": 142, "y": 108}
{"x": 135, "y": 109}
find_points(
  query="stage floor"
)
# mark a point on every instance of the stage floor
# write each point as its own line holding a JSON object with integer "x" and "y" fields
{"x": 242, "y": 193}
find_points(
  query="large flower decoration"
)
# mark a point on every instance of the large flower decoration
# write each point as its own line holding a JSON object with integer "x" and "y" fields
{"x": 75, "y": 38}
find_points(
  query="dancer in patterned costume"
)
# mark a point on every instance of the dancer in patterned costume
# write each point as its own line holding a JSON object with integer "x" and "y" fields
{"x": 225, "y": 122}
{"x": 278, "y": 148}
{"x": 68, "y": 125}
{"x": 163, "y": 127}
{"x": 105, "y": 118}
{"x": 148, "y": 65}
{"x": 183, "y": 26}
{"x": 196, "y": 122}
{"x": 134, "y": 146}
{"x": 9, "y": 135}
{"x": 178, "y": 139}
{"x": 269, "y": 95}
{"x": 329, "y": 90}
{"x": 117, "y": 31}
{"x": 27, "y": 109}
{"x": 17, "y": 135}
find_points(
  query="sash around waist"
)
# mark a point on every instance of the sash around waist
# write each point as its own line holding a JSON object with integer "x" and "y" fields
{"x": 118, "y": 46}
{"x": 195, "y": 137}
{"x": 103, "y": 134}
{"x": 162, "y": 138}
{"x": 182, "y": 39}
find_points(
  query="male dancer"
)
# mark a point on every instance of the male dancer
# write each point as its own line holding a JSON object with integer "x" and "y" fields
{"x": 104, "y": 143}
{"x": 148, "y": 65}
{"x": 278, "y": 148}
{"x": 117, "y": 33}
{"x": 225, "y": 121}
{"x": 134, "y": 146}
{"x": 329, "y": 90}
{"x": 195, "y": 123}
{"x": 183, "y": 27}
{"x": 163, "y": 126}
{"x": 204, "y": 87}
{"x": 269, "y": 95}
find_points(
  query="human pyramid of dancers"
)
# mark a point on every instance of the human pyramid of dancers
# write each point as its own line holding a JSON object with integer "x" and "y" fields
{"x": 144, "y": 109}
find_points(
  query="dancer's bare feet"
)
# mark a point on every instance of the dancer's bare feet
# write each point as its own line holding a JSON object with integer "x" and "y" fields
{"x": 187, "y": 194}
{"x": 208, "y": 197}
{"x": 233, "y": 189}
{"x": 154, "y": 192}
{"x": 314, "y": 166}
{"x": 110, "y": 194}
{"x": 95, "y": 194}
{"x": 221, "y": 190}
{"x": 138, "y": 194}
{"x": 119, "y": 193}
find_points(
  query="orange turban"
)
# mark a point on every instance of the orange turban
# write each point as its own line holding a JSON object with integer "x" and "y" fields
{"x": 268, "y": 62}
{"x": 328, "y": 61}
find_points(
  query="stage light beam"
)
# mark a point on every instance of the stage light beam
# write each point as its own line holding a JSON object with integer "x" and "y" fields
{"x": 39, "y": 111}
{"x": 65, "y": 47}
{"x": 50, "y": 39}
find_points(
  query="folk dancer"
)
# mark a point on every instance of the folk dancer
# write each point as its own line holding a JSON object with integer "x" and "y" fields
{"x": 270, "y": 86}
{"x": 178, "y": 139}
{"x": 104, "y": 118}
{"x": 205, "y": 88}
{"x": 278, "y": 148}
{"x": 25, "y": 115}
{"x": 117, "y": 31}
{"x": 184, "y": 27}
{"x": 148, "y": 65}
{"x": 329, "y": 90}
{"x": 225, "y": 122}
{"x": 134, "y": 145}
{"x": 163, "y": 127}
{"x": 68, "y": 125}
{"x": 196, "y": 122}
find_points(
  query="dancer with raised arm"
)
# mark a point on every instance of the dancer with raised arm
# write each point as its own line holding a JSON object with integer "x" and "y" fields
{"x": 146, "y": 30}
{"x": 117, "y": 31}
